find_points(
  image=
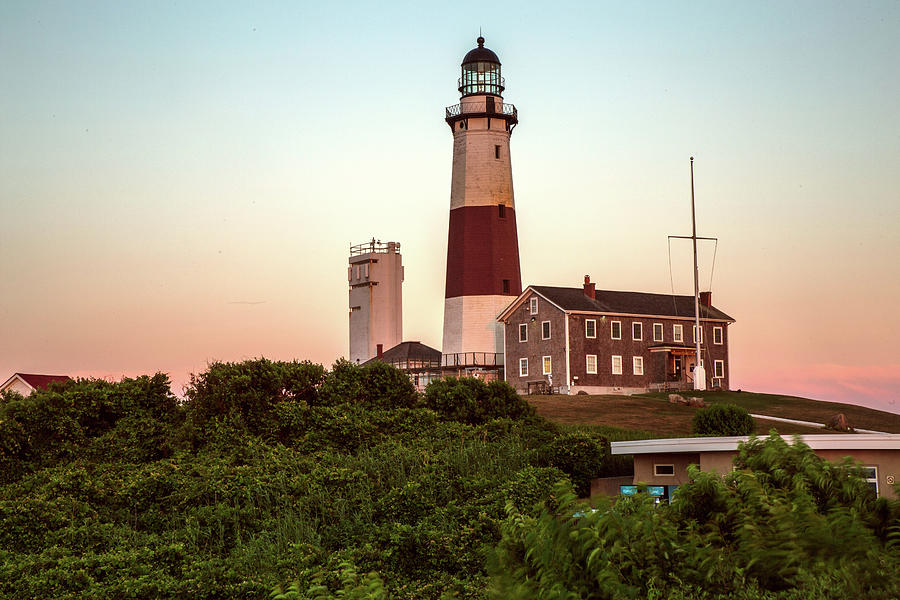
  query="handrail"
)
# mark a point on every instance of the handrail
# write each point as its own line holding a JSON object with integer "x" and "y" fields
{"x": 465, "y": 108}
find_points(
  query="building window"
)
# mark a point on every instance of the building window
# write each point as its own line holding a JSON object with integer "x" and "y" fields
{"x": 532, "y": 305}
{"x": 678, "y": 333}
{"x": 663, "y": 470}
{"x": 637, "y": 331}
{"x": 657, "y": 332}
{"x": 616, "y": 365}
{"x": 590, "y": 328}
{"x": 615, "y": 329}
{"x": 637, "y": 365}
{"x": 547, "y": 364}
{"x": 523, "y": 367}
{"x": 496, "y": 151}
{"x": 694, "y": 333}
{"x": 717, "y": 335}
{"x": 501, "y": 208}
{"x": 506, "y": 286}
{"x": 545, "y": 330}
{"x": 871, "y": 476}
{"x": 719, "y": 368}
{"x": 591, "y": 364}
{"x": 523, "y": 332}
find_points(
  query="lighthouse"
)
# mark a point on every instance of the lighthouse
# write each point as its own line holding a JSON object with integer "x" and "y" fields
{"x": 483, "y": 274}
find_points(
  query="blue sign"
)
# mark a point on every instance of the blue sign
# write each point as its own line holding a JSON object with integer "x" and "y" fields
{"x": 656, "y": 490}
{"x": 628, "y": 490}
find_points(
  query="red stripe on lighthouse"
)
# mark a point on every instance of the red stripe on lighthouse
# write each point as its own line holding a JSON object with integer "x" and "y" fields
{"x": 483, "y": 252}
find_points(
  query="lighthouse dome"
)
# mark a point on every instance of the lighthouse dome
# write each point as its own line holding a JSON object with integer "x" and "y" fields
{"x": 480, "y": 54}
{"x": 480, "y": 72}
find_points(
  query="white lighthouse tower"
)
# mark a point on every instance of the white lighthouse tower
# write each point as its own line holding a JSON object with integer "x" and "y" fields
{"x": 375, "y": 277}
{"x": 483, "y": 274}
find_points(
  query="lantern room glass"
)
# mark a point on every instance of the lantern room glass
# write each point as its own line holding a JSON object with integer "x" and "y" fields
{"x": 481, "y": 78}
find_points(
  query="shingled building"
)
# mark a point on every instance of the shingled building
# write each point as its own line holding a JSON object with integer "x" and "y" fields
{"x": 581, "y": 339}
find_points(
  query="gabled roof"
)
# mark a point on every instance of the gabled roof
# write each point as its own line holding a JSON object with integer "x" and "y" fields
{"x": 406, "y": 351}
{"x": 628, "y": 303}
{"x": 38, "y": 382}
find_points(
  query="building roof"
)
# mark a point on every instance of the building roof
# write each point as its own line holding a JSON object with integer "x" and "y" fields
{"x": 830, "y": 441}
{"x": 480, "y": 54}
{"x": 38, "y": 382}
{"x": 631, "y": 303}
{"x": 409, "y": 351}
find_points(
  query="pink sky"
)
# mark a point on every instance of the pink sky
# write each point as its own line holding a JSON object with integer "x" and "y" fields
{"x": 181, "y": 184}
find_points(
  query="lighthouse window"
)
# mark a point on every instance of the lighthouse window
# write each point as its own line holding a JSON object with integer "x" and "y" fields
{"x": 496, "y": 151}
{"x": 502, "y": 210}
{"x": 506, "y": 286}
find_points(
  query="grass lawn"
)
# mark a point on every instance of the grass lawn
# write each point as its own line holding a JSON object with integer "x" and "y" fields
{"x": 651, "y": 415}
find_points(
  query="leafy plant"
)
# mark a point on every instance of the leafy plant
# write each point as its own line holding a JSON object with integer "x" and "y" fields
{"x": 722, "y": 419}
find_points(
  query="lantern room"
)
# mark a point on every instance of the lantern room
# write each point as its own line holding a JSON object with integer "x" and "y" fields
{"x": 480, "y": 72}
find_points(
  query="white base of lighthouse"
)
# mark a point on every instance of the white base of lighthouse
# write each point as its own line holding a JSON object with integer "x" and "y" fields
{"x": 470, "y": 324}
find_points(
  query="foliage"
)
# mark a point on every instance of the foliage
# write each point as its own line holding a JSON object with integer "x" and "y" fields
{"x": 764, "y": 531}
{"x": 470, "y": 400}
{"x": 579, "y": 455}
{"x": 248, "y": 392}
{"x": 347, "y": 486}
{"x": 722, "y": 419}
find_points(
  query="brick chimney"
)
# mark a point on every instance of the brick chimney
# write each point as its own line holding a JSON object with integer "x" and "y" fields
{"x": 589, "y": 287}
{"x": 706, "y": 298}
{"x": 379, "y": 349}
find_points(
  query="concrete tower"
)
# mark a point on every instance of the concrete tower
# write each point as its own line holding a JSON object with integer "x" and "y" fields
{"x": 483, "y": 249}
{"x": 376, "y": 298}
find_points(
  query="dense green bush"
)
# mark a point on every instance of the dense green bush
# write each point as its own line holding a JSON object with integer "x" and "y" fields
{"x": 722, "y": 419}
{"x": 471, "y": 400}
{"x": 762, "y": 532}
{"x": 375, "y": 384}
{"x": 579, "y": 455}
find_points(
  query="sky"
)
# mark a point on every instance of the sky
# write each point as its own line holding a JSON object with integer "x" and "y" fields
{"x": 181, "y": 181}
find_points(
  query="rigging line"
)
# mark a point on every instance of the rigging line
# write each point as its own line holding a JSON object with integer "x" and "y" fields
{"x": 713, "y": 270}
{"x": 671, "y": 278}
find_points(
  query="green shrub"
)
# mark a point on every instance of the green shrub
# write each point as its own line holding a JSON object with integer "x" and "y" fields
{"x": 249, "y": 391}
{"x": 579, "y": 455}
{"x": 377, "y": 384}
{"x": 722, "y": 419}
{"x": 470, "y": 400}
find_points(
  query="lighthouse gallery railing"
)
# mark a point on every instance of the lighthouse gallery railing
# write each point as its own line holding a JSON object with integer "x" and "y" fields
{"x": 466, "y": 108}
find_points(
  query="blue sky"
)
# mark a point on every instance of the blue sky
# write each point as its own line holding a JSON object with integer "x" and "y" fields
{"x": 161, "y": 163}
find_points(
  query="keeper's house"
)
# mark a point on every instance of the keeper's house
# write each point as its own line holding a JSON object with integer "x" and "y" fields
{"x": 569, "y": 340}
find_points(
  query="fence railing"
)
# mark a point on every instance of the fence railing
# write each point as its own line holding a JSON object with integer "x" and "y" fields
{"x": 465, "y": 108}
{"x": 472, "y": 359}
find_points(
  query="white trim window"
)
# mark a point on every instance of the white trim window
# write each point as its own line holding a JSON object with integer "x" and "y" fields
{"x": 591, "y": 364}
{"x": 664, "y": 470}
{"x": 523, "y": 332}
{"x": 548, "y": 364}
{"x": 615, "y": 330}
{"x": 719, "y": 369}
{"x": 590, "y": 328}
{"x": 545, "y": 330}
{"x": 616, "y": 364}
{"x": 657, "y": 332}
{"x": 694, "y": 333}
{"x": 870, "y": 474}
{"x": 718, "y": 336}
{"x": 533, "y": 305}
{"x": 637, "y": 331}
{"x": 637, "y": 365}
{"x": 523, "y": 367}
{"x": 678, "y": 333}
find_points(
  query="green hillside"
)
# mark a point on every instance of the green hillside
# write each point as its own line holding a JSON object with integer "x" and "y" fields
{"x": 653, "y": 414}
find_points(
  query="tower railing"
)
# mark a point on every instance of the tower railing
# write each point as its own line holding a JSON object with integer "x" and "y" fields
{"x": 466, "y": 108}
{"x": 376, "y": 247}
{"x": 472, "y": 359}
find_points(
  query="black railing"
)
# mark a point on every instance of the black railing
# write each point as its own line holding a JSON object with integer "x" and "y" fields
{"x": 466, "y": 108}
{"x": 472, "y": 359}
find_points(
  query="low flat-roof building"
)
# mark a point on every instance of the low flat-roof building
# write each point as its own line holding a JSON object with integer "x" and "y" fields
{"x": 663, "y": 463}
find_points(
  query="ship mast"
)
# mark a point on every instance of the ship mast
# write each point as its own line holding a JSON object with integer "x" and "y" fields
{"x": 699, "y": 371}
